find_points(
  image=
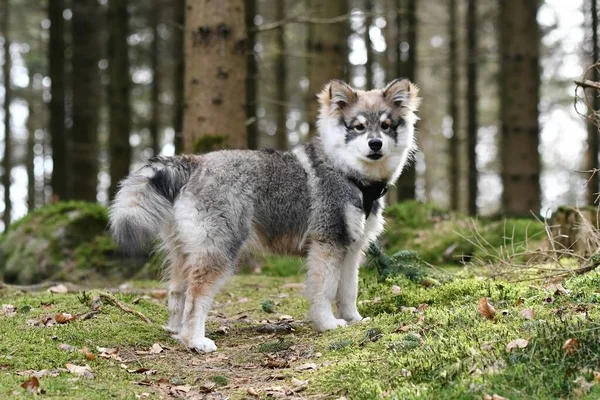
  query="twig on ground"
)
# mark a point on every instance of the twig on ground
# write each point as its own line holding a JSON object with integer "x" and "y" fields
{"x": 109, "y": 298}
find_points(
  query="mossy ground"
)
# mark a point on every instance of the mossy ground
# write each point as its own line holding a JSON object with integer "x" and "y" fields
{"x": 446, "y": 349}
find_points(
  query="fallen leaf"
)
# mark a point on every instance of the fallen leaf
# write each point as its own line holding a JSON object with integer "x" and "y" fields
{"x": 88, "y": 354}
{"x": 528, "y": 313}
{"x": 63, "y": 318}
{"x": 145, "y": 371}
{"x": 422, "y": 307}
{"x": 517, "y": 343}
{"x": 299, "y": 385}
{"x": 557, "y": 289}
{"x": 486, "y": 309}
{"x": 95, "y": 303}
{"x": 67, "y": 347}
{"x": 223, "y": 330}
{"x": 403, "y": 328}
{"x": 163, "y": 382}
{"x": 58, "y": 289}
{"x": 9, "y": 310}
{"x": 395, "y": 290}
{"x": 182, "y": 388}
{"x": 276, "y": 363}
{"x": 207, "y": 387}
{"x": 306, "y": 367}
{"x": 286, "y": 318}
{"x": 156, "y": 349}
{"x": 252, "y": 392}
{"x": 32, "y": 385}
{"x": 79, "y": 370}
{"x": 494, "y": 397}
{"x": 570, "y": 346}
{"x": 109, "y": 353}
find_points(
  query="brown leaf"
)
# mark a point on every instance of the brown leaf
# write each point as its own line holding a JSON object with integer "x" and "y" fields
{"x": 32, "y": 385}
{"x": 570, "y": 346}
{"x": 252, "y": 392}
{"x": 63, "y": 318}
{"x": 486, "y": 309}
{"x": 79, "y": 370}
{"x": 58, "y": 289}
{"x": 88, "y": 354}
{"x": 403, "y": 328}
{"x": 276, "y": 363}
{"x": 422, "y": 307}
{"x": 517, "y": 343}
{"x": 306, "y": 367}
{"x": 528, "y": 313}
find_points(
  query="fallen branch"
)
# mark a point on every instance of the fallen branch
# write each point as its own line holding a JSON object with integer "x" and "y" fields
{"x": 109, "y": 298}
{"x": 588, "y": 84}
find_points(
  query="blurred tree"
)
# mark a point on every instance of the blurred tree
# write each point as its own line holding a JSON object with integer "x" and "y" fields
{"x": 87, "y": 96}
{"x": 6, "y": 71}
{"x": 472, "y": 102}
{"x": 593, "y": 187}
{"x": 327, "y": 51}
{"x": 215, "y": 74}
{"x": 454, "y": 143}
{"x": 155, "y": 12}
{"x": 369, "y": 9}
{"x": 179, "y": 72}
{"x": 252, "y": 77}
{"x": 407, "y": 67}
{"x": 119, "y": 94}
{"x": 59, "y": 140}
{"x": 519, "y": 99}
{"x": 280, "y": 81}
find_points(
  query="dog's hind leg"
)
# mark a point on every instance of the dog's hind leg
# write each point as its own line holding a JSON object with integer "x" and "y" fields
{"x": 204, "y": 281}
{"x": 176, "y": 291}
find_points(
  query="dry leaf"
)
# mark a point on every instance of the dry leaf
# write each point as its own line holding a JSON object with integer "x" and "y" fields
{"x": 494, "y": 397}
{"x": 9, "y": 310}
{"x": 58, "y": 289}
{"x": 63, "y": 318}
{"x": 403, "y": 328}
{"x": 207, "y": 387}
{"x": 486, "y": 309}
{"x": 109, "y": 353}
{"x": 395, "y": 290}
{"x": 182, "y": 388}
{"x": 145, "y": 371}
{"x": 528, "y": 313}
{"x": 32, "y": 385}
{"x": 252, "y": 392}
{"x": 570, "y": 346}
{"x": 517, "y": 343}
{"x": 88, "y": 354}
{"x": 286, "y": 318}
{"x": 557, "y": 289}
{"x": 67, "y": 347}
{"x": 422, "y": 307}
{"x": 306, "y": 367}
{"x": 156, "y": 349}
{"x": 79, "y": 370}
{"x": 596, "y": 375}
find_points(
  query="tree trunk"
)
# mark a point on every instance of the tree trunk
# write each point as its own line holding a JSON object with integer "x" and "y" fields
{"x": 593, "y": 188}
{"x": 215, "y": 74}
{"x": 58, "y": 134}
{"x": 389, "y": 11}
{"x": 369, "y": 45}
{"x": 281, "y": 81}
{"x": 407, "y": 184}
{"x": 178, "y": 76}
{"x": 252, "y": 77}
{"x": 454, "y": 144}
{"x": 327, "y": 52}
{"x": 519, "y": 92}
{"x": 86, "y": 22}
{"x": 155, "y": 92}
{"x": 32, "y": 124}
{"x": 6, "y": 69}
{"x": 118, "y": 93}
{"x": 472, "y": 123}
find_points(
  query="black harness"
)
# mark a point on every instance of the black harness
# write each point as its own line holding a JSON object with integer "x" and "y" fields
{"x": 371, "y": 193}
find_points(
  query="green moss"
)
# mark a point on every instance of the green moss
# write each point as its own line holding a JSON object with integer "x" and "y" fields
{"x": 208, "y": 143}
{"x": 220, "y": 380}
{"x": 275, "y": 346}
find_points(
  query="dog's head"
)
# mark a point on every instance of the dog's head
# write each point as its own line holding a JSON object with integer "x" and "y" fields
{"x": 370, "y": 132}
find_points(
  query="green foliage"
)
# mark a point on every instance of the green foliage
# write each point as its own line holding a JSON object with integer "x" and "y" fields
{"x": 339, "y": 344}
{"x": 275, "y": 346}
{"x": 220, "y": 380}
{"x": 208, "y": 143}
{"x": 268, "y": 306}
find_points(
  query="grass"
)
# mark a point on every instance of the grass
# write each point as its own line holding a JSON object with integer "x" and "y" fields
{"x": 421, "y": 342}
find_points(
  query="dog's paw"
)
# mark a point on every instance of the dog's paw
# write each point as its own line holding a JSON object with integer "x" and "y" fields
{"x": 171, "y": 329}
{"x": 203, "y": 345}
{"x": 358, "y": 320}
{"x": 328, "y": 325}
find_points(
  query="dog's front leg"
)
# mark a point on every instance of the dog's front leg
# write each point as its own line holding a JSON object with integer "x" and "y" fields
{"x": 347, "y": 292}
{"x": 323, "y": 278}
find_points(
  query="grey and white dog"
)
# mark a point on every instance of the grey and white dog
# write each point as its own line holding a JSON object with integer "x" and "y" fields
{"x": 321, "y": 200}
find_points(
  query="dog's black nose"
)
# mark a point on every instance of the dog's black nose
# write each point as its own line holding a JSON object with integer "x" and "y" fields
{"x": 375, "y": 144}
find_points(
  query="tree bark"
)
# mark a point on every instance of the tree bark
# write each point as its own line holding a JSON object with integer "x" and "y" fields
{"x": 251, "y": 77}
{"x": 85, "y": 23}
{"x": 369, "y": 45}
{"x": 454, "y": 143}
{"x": 155, "y": 91}
{"x": 215, "y": 74}
{"x": 327, "y": 52}
{"x": 593, "y": 188}
{"x": 58, "y": 133}
{"x": 6, "y": 69}
{"x": 179, "y": 75}
{"x": 472, "y": 123}
{"x": 118, "y": 93}
{"x": 519, "y": 91}
{"x": 407, "y": 183}
{"x": 281, "y": 81}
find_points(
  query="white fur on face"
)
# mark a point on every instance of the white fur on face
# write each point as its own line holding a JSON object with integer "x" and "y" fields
{"x": 353, "y": 155}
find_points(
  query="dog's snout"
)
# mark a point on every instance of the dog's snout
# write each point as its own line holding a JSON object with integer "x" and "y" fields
{"x": 375, "y": 144}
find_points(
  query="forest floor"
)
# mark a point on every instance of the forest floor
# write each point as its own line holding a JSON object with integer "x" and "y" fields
{"x": 421, "y": 342}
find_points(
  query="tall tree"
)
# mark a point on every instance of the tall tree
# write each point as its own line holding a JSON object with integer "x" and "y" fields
{"x": 178, "y": 76}
{"x": 6, "y": 70}
{"x": 155, "y": 90}
{"x": 327, "y": 51}
{"x": 118, "y": 93}
{"x": 251, "y": 77}
{"x": 281, "y": 80}
{"x": 58, "y": 132}
{"x": 593, "y": 188}
{"x": 407, "y": 184}
{"x": 454, "y": 142}
{"x": 215, "y": 73}
{"x": 472, "y": 123}
{"x": 369, "y": 45}
{"x": 519, "y": 99}
{"x": 85, "y": 25}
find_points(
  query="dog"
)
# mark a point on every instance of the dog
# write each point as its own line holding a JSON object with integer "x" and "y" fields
{"x": 322, "y": 200}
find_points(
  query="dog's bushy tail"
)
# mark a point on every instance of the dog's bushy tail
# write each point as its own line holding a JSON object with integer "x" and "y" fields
{"x": 145, "y": 199}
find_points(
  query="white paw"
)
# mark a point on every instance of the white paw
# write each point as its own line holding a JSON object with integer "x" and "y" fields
{"x": 171, "y": 329}
{"x": 330, "y": 324}
{"x": 203, "y": 345}
{"x": 358, "y": 320}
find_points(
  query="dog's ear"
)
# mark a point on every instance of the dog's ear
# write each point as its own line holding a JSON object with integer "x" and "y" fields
{"x": 402, "y": 93}
{"x": 337, "y": 95}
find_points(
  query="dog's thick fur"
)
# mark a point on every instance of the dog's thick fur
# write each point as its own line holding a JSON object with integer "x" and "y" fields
{"x": 208, "y": 209}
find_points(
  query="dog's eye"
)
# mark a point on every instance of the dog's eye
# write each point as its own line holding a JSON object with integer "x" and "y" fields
{"x": 385, "y": 126}
{"x": 360, "y": 127}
